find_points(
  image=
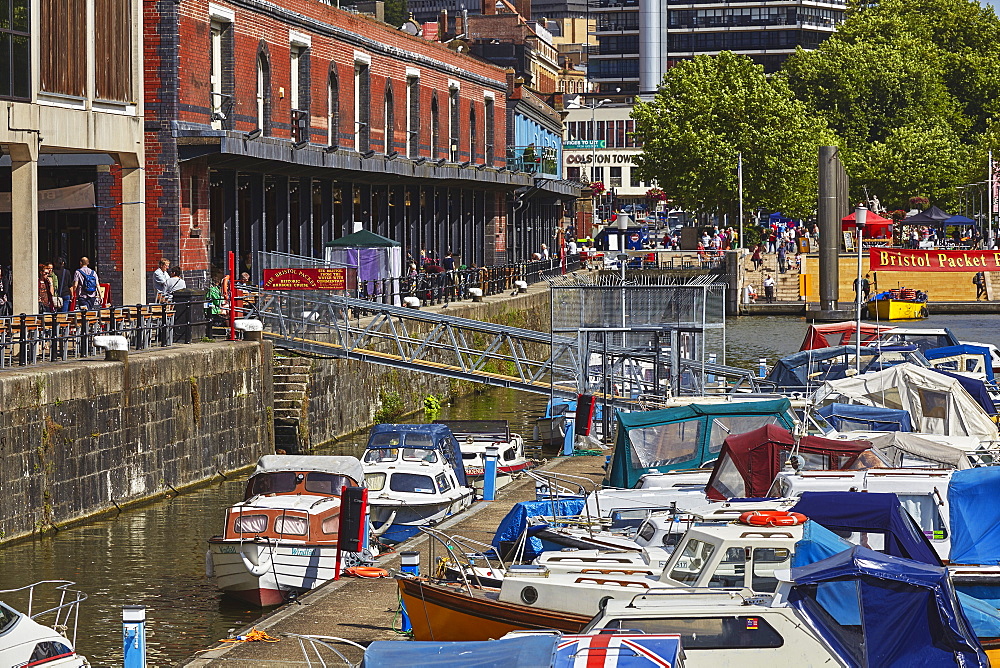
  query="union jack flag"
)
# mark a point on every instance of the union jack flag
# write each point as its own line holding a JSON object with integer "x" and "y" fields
{"x": 619, "y": 650}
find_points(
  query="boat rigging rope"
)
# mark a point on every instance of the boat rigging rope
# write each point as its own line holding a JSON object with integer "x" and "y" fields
{"x": 253, "y": 635}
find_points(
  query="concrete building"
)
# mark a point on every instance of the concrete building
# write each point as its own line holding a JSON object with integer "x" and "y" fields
{"x": 279, "y": 128}
{"x": 637, "y": 40}
{"x": 70, "y": 175}
{"x": 510, "y": 41}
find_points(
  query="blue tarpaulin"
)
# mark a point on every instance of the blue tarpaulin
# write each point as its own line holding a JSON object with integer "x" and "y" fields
{"x": 870, "y": 512}
{"x": 808, "y": 369}
{"x": 879, "y": 610}
{"x": 983, "y": 616}
{"x": 523, "y": 652}
{"x": 975, "y": 516}
{"x": 817, "y": 543}
{"x": 858, "y": 417}
{"x": 516, "y": 521}
{"x": 964, "y": 349}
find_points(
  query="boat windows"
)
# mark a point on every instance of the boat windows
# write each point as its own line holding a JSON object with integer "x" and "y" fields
{"x": 443, "y": 483}
{"x": 379, "y": 455}
{"x": 410, "y": 482}
{"x": 743, "y": 632}
{"x": 933, "y": 404}
{"x": 331, "y": 524}
{"x": 731, "y": 570}
{"x": 807, "y": 461}
{"x": 48, "y": 650}
{"x": 419, "y": 455}
{"x": 728, "y": 480}
{"x": 666, "y": 444}
{"x": 7, "y": 618}
{"x": 327, "y": 483}
{"x": 766, "y": 560}
{"x": 291, "y": 524}
{"x": 510, "y": 454}
{"x": 645, "y": 533}
{"x": 926, "y": 512}
{"x": 692, "y": 560}
{"x": 887, "y": 398}
{"x": 250, "y": 524}
{"x": 835, "y": 607}
{"x": 723, "y": 426}
{"x": 271, "y": 483}
{"x": 469, "y": 456}
{"x": 385, "y": 439}
{"x": 375, "y": 481}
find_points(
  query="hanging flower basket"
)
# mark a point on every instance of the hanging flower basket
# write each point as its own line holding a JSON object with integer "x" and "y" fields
{"x": 919, "y": 202}
{"x": 656, "y": 195}
{"x": 597, "y": 187}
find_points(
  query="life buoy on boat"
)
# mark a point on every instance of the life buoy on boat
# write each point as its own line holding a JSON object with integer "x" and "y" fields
{"x": 367, "y": 572}
{"x": 772, "y": 518}
{"x": 254, "y": 564}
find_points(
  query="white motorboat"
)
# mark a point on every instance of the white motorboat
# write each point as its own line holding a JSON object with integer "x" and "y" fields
{"x": 474, "y": 436}
{"x": 25, "y": 641}
{"x": 281, "y": 540}
{"x": 415, "y": 478}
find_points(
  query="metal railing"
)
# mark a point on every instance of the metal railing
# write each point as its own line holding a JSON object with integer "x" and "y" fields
{"x": 65, "y": 612}
{"x": 533, "y": 159}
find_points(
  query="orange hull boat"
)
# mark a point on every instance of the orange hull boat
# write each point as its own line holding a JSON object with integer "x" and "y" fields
{"x": 444, "y": 614}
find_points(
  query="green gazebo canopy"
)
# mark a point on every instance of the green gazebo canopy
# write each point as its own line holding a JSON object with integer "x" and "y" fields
{"x": 362, "y": 239}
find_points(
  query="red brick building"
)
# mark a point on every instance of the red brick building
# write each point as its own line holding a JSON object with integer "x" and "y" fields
{"x": 279, "y": 127}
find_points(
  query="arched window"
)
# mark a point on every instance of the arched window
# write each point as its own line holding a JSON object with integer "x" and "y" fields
{"x": 473, "y": 134}
{"x": 263, "y": 93}
{"x": 435, "y": 128}
{"x": 389, "y": 118}
{"x": 333, "y": 108}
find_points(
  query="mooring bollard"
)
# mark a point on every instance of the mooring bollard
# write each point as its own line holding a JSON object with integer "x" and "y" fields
{"x": 409, "y": 563}
{"x": 490, "y": 473}
{"x": 569, "y": 441}
{"x": 115, "y": 347}
{"x": 761, "y": 368}
{"x": 134, "y": 635}
{"x": 253, "y": 329}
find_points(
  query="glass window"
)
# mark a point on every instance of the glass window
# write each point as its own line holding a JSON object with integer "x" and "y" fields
{"x": 616, "y": 177}
{"x": 48, "y": 649}
{"x": 837, "y": 607}
{"x": 722, "y": 427}
{"x": 934, "y": 404}
{"x": 664, "y": 445}
{"x": 250, "y": 524}
{"x": 375, "y": 481}
{"x": 728, "y": 479}
{"x": 510, "y": 454}
{"x": 926, "y": 512}
{"x": 327, "y": 483}
{"x": 389, "y": 438}
{"x": 291, "y": 524}
{"x": 331, "y": 525}
{"x": 633, "y": 177}
{"x": 731, "y": 571}
{"x": 7, "y": 618}
{"x": 271, "y": 483}
{"x": 887, "y": 398}
{"x": 443, "y": 483}
{"x": 808, "y": 461}
{"x": 409, "y": 482}
{"x": 646, "y": 531}
{"x": 743, "y": 632}
{"x": 376, "y": 455}
{"x": 766, "y": 560}
{"x": 692, "y": 560}
{"x": 419, "y": 455}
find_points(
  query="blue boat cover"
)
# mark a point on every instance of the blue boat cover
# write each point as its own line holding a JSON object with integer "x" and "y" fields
{"x": 436, "y": 437}
{"x": 618, "y": 650}
{"x": 858, "y": 417}
{"x": 685, "y": 437}
{"x": 870, "y": 512}
{"x": 516, "y": 521}
{"x": 975, "y": 516}
{"x": 521, "y": 652}
{"x": 879, "y": 610}
{"x": 817, "y": 543}
{"x": 808, "y": 369}
{"x": 976, "y": 389}
{"x": 963, "y": 349}
{"x": 983, "y": 616}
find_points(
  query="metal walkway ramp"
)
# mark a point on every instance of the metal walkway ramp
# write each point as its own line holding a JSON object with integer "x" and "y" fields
{"x": 325, "y": 325}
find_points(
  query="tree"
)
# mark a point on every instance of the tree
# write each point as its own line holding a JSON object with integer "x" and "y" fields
{"x": 710, "y": 109}
{"x": 396, "y": 12}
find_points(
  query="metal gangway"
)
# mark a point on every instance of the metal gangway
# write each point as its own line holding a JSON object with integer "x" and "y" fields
{"x": 336, "y": 326}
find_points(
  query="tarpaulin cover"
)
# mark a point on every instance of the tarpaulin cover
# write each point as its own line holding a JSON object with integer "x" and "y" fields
{"x": 839, "y": 334}
{"x": 975, "y": 516}
{"x": 976, "y": 389}
{"x": 817, "y": 543}
{"x": 516, "y": 521}
{"x": 439, "y": 437}
{"x": 617, "y": 650}
{"x": 856, "y": 417}
{"x": 949, "y": 451}
{"x": 931, "y": 215}
{"x": 870, "y": 512}
{"x": 749, "y": 462}
{"x": 959, "y": 220}
{"x": 685, "y": 437}
{"x": 963, "y": 349}
{"x": 522, "y": 652}
{"x": 879, "y": 610}
{"x": 808, "y": 369}
{"x": 983, "y": 616}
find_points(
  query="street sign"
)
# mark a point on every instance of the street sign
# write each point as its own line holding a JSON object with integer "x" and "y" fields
{"x": 587, "y": 144}
{"x": 305, "y": 279}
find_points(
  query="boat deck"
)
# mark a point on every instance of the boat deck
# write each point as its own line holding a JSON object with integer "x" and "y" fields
{"x": 364, "y": 610}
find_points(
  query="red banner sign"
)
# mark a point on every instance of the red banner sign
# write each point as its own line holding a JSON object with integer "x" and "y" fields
{"x": 892, "y": 259}
{"x": 305, "y": 279}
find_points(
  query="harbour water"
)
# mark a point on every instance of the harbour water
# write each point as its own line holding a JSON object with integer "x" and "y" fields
{"x": 155, "y": 555}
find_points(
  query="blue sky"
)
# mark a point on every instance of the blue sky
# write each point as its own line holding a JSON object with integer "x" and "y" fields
{"x": 995, "y": 4}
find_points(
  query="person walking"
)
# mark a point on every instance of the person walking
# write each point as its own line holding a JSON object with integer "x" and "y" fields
{"x": 980, "y": 281}
{"x": 769, "y": 289}
{"x": 86, "y": 286}
{"x": 782, "y": 258}
{"x": 46, "y": 297}
{"x": 63, "y": 284}
{"x": 756, "y": 257}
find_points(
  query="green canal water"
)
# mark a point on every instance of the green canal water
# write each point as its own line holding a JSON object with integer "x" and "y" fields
{"x": 155, "y": 555}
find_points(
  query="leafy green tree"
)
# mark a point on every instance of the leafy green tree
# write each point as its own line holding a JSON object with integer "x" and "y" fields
{"x": 710, "y": 109}
{"x": 396, "y": 12}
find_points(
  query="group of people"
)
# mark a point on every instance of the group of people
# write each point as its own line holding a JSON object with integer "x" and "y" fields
{"x": 59, "y": 289}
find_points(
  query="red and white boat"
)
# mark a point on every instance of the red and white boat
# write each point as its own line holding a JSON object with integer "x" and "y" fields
{"x": 281, "y": 540}
{"x": 474, "y": 436}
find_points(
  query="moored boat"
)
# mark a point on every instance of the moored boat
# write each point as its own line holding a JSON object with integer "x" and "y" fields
{"x": 898, "y": 304}
{"x": 281, "y": 540}
{"x": 26, "y": 641}
{"x": 474, "y": 436}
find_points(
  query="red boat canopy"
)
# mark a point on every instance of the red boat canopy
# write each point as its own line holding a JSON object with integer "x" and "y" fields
{"x": 874, "y": 224}
{"x": 748, "y": 463}
{"x": 842, "y": 332}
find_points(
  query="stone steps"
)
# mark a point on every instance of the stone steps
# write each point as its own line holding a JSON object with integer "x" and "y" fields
{"x": 291, "y": 383}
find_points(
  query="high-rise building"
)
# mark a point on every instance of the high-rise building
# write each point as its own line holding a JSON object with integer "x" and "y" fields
{"x": 637, "y": 40}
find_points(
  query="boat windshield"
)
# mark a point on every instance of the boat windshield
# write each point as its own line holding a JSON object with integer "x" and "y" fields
{"x": 318, "y": 482}
{"x": 271, "y": 483}
{"x": 394, "y": 439}
{"x": 378, "y": 455}
{"x": 693, "y": 559}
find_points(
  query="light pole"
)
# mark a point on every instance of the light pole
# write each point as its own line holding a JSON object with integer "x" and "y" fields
{"x": 593, "y": 148}
{"x": 860, "y": 218}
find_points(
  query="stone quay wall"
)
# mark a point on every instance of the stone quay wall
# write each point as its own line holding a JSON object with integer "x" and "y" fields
{"x": 86, "y": 437}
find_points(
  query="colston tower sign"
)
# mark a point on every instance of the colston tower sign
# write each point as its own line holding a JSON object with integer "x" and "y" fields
{"x": 889, "y": 259}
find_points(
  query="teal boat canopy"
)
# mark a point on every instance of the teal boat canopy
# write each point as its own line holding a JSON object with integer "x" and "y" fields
{"x": 686, "y": 437}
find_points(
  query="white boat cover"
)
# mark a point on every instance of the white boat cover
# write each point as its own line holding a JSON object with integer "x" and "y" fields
{"x": 895, "y": 445}
{"x": 349, "y": 466}
{"x": 937, "y": 404}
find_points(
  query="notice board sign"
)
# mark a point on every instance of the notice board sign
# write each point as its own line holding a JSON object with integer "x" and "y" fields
{"x": 305, "y": 279}
{"x": 892, "y": 259}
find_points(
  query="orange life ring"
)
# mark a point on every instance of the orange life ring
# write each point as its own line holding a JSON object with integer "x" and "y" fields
{"x": 772, "y": 518}
{"x": 367, "y": 572}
